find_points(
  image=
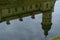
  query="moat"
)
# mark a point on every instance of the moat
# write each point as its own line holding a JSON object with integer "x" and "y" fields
{"x": 35, "y": 25}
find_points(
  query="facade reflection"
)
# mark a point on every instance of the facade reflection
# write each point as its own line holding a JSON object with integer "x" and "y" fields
{"x": 46, "y": 8}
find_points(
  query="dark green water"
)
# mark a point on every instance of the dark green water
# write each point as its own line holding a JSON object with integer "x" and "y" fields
{"x": 32, "y": 29}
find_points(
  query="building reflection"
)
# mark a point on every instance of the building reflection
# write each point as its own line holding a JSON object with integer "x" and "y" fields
{"x": 46, "y": 10}
{"x": 46, "y": 20}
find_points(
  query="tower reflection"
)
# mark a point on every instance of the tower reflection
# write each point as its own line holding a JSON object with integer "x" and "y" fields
{"x": 46, "y": 21}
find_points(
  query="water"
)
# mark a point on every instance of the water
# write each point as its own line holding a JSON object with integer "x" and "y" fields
{"x": 32, "y": 29}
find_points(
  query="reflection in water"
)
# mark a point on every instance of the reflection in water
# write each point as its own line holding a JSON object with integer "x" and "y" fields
{"x": 45, "y": 9}
{"x": 46, "y": 21}
{"x": 8, "y": 13}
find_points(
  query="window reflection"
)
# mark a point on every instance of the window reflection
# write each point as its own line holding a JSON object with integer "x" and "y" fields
{"x": 36, "y": 5}
{"x": 23, "y": 8}
{"x": 47, "y": 5}
{"x": 9, "y": 10}
{"x": 30, "y": 6}
{"x": 16, "y": 10}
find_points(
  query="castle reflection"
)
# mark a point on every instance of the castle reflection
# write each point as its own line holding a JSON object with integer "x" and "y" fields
{"x": 46, "y": 16}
